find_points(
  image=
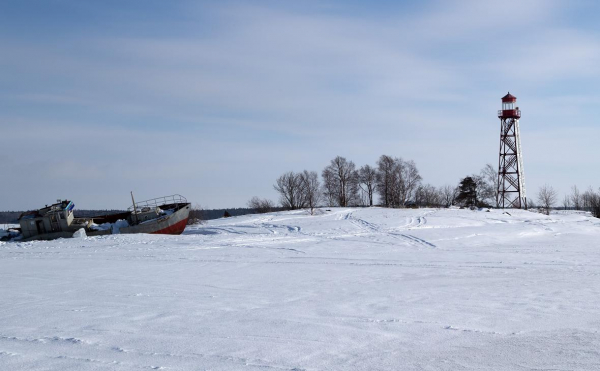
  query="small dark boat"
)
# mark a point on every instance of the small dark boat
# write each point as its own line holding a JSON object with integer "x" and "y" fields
{"x": 163, "y": 215}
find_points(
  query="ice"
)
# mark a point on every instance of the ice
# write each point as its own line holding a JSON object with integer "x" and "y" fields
{"x": 113, "y": 227}
{"x": 359, "y": 289}
{"x": 101, "y": 227}
{"x": 118, "y": 225}
{"x": 80, "y": 233}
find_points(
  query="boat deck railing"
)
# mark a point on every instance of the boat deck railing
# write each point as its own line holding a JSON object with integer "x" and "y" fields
{"x": 159, "y": 201}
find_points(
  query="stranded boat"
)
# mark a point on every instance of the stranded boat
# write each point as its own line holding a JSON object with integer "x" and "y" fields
{"x": 163, "y": 215}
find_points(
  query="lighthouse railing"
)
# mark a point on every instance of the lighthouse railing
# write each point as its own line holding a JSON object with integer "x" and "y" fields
{"x": 509, "y": 113}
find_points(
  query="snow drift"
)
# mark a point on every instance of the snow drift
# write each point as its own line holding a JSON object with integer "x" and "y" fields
{"x": 359, "y": 289}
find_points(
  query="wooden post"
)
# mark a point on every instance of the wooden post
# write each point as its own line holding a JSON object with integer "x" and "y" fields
{"x": 134, "y": 208}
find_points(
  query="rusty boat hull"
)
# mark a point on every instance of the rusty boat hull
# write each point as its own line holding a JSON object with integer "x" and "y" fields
{"x": 169, "y": 224}
{"x": 164, "y": 215}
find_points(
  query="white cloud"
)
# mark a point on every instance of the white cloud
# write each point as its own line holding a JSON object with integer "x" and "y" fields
{"x": 270, "y": 90}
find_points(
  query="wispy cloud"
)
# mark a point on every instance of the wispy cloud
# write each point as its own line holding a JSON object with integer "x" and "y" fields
{"x": 229, "y": 90}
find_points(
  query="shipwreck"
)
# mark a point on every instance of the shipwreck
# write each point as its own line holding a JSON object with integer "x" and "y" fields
{"x": 162, "y": 215}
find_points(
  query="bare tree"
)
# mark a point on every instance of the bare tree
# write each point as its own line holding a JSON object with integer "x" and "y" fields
{"x": 367, "y": 178}
{"x": 587, "y": 199}
{"x": 427, "y": 195}
{"x": 342, "y": 181}
{"x": 386, "y": 179}
{"x": 547, "y": 198}
{"x": 576, "y": 198}
{"x": 409, "y": 180}
{"x": 196, "y": 215}
{"x": 397, "y": 180}
{"x": 487, "y": 185}
{"x": 567, "y": 202}
{"x": 595, "y": 203}
{"x": 261, "y": 205}
{"x": 448, "y": 194}
{"x": 482, "y": 190}
{"x": 289, "y": 186}
{"x": 311, "y": 188}
{"x": 329, "y": 187}
{"x": 254, "y": 203}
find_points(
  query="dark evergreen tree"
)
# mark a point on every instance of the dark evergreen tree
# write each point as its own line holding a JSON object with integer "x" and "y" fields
{"x": 467, "y": 192}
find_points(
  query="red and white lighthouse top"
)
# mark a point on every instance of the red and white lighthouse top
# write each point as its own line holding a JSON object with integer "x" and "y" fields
{"x": 509, "y": 98}
{"x": 509, "y": 111}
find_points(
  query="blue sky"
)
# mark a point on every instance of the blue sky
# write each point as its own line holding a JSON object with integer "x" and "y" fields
{"x": 214, "y": 100}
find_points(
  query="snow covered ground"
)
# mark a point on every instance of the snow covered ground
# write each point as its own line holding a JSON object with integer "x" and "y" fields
{"x": 349, "y": 289}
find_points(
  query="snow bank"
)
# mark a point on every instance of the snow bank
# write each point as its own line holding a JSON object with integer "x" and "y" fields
{"x": 80, "y": 233}
{"x": 113, "y": 227}
{"x": 101, "y": 227}
{"x": 361, "y": 289}
{"x": 116, "y": 227}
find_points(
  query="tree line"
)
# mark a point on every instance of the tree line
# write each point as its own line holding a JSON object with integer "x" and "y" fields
{"x": 390, "y": 182}
{"x": 588, "y": 200}
{"x": 342, "y": 183}
{"x": 397, "y": 183}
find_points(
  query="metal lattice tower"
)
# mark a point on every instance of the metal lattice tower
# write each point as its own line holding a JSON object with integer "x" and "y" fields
{"x": 511, "y": 178}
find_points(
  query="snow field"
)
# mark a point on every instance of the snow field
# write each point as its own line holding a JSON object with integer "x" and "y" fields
{"x": 359, "y": 289}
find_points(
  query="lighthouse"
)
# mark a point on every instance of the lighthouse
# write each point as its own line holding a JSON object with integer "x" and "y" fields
{"x": 511, "y": 177}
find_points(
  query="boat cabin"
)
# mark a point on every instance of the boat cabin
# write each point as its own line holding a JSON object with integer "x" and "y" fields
{"x": 50, "y": 219}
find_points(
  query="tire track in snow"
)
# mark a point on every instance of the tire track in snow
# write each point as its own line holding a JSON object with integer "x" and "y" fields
{"x": 416, "y": 241}
{"x": 419, "y": 221}
{"x": 364, "y": 225}
{"x": 108, "y": 357}
{"x": 373, "y": 228}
